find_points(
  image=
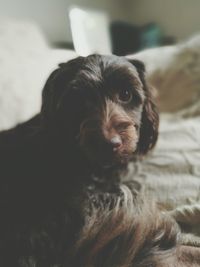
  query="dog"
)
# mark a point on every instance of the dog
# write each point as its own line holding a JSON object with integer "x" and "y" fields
{"x": 97, "y": 115}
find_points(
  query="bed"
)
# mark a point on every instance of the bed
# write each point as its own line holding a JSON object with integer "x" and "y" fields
{"x": 171, "y": 173}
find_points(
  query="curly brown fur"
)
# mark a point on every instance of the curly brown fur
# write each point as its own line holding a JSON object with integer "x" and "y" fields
{"x": 97, "y": 114}
{"x": 127, "y": 231}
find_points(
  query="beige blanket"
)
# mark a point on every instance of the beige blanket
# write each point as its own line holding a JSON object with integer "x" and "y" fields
{"x": 171, "y": 173}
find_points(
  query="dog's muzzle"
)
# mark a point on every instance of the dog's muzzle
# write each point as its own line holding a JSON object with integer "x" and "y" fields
{"x": 110, "y": 142}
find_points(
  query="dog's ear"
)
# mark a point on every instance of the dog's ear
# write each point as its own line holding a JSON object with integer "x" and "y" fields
{"x": 55, "y": 86}
{"x": 150, "y": 117}
{"x": 149, "y": 125}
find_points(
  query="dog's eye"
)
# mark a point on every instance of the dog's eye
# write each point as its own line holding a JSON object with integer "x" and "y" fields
{"x": 125, "y": 95}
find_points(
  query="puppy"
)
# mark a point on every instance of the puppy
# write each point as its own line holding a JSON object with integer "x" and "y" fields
{"x": 97, "y": 115}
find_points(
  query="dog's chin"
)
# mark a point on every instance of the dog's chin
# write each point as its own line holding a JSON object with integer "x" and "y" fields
{"x": 116, "y": 162}
{"x": 109, "y": 160}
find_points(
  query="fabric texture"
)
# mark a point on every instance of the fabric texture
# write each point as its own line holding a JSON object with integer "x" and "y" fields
{"x": 171, "y": 173}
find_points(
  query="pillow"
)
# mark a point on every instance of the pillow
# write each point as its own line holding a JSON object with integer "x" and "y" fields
{"x": 175, "y": 72}
{"x": 24, "y": 35}
{"x": 25, "y": 63}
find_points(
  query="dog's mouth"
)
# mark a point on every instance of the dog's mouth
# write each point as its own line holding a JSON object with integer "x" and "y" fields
{"x": 105, "y": 155}
{"x": 117, "y": 156}
{"x": 116, "y": 161}
{"x": 109, "y": 143}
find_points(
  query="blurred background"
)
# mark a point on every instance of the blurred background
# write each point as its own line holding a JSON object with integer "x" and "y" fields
{"x": 35, "y": 36}
{"x": 126, "y": 26}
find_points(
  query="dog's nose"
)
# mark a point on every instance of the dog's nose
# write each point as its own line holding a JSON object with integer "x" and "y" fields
{"x": 116, "y": 141}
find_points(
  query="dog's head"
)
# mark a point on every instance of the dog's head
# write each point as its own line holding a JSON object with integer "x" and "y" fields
{"x": 103, "y": 105}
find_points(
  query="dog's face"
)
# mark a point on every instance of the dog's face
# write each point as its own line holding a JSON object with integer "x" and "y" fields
{"x": 103, "y": 105}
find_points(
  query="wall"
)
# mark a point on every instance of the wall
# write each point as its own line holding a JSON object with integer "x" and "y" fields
{"x": 52, "y": 16}
{"x": 179, "y": 18}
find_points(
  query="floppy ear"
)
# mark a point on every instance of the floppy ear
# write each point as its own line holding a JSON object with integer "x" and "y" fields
{"x": 150, "y": 117}
{"x": 55, "y": 87}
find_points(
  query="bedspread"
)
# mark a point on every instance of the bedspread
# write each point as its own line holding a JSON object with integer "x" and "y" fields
{"x": 171, "y": 173}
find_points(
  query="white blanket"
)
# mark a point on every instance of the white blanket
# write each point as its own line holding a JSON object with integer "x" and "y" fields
{"x": 171, "y": 173}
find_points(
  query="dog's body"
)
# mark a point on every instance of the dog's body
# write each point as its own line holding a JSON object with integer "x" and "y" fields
{"x": 61, "y": 200}
{"x": 97, "y": 115}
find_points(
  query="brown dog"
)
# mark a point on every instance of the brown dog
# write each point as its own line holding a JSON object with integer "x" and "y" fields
{"x": 97, "y": 114}
{"x": 103, "y": 105}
